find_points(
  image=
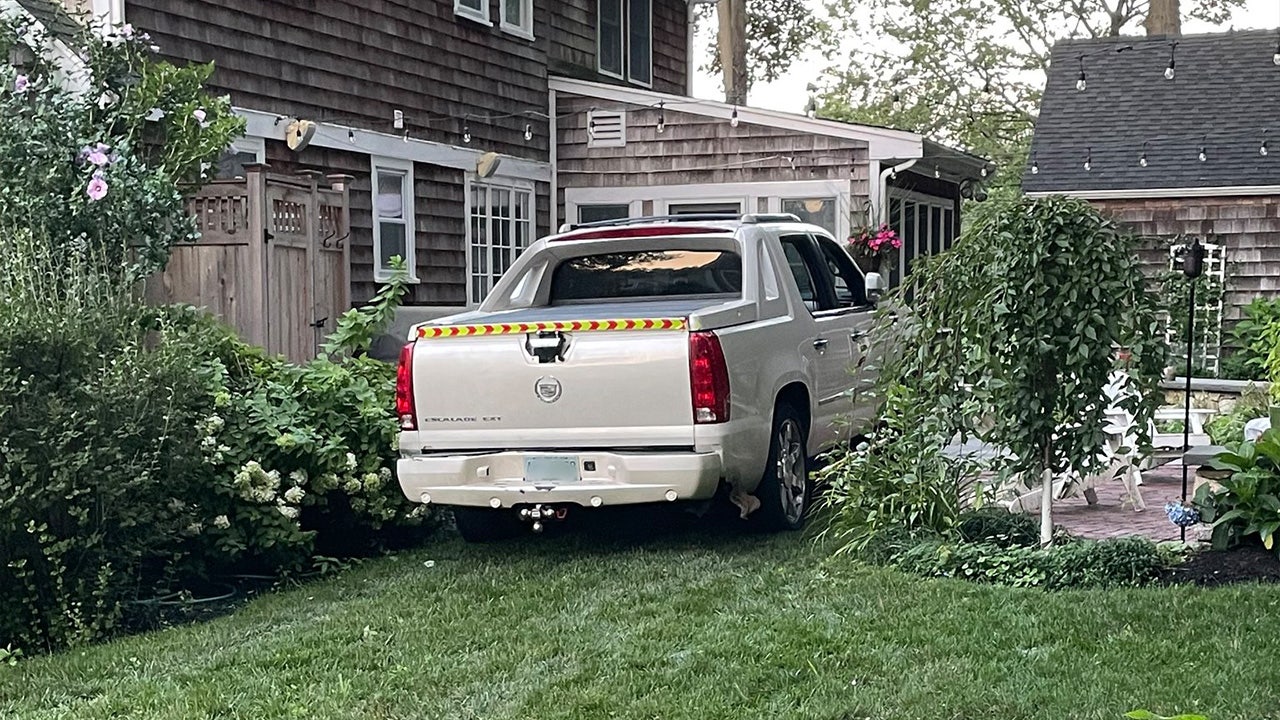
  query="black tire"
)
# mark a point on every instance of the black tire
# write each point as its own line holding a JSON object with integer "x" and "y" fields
{"x": 785, "y": 491}
{"x": 482, "y": 525}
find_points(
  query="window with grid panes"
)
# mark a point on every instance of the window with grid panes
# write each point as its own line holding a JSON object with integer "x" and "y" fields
{"x": 499, "y": 229}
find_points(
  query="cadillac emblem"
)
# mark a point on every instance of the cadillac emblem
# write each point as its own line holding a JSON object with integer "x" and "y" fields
{"x": 547, "y": 389}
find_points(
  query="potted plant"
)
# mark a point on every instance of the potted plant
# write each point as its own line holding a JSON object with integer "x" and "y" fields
{"x": 874, "y": 243}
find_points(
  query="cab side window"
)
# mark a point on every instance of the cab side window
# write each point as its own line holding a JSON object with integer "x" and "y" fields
{"x": 847, "y": 284}
{"x": 795, "y": 249}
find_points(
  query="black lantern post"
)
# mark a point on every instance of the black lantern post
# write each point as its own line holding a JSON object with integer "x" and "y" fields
{"x": 1192, "y": 268}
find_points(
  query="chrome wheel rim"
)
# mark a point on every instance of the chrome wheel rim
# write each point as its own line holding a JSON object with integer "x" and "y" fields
{"x": 792, "y": 477}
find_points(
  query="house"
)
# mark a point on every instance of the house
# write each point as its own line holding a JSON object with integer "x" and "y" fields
{"x": 582, "y": 106}
{"x": 1175, "y": 138}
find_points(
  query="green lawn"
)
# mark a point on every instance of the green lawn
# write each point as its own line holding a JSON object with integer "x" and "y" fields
{"x": 692, "y": 625}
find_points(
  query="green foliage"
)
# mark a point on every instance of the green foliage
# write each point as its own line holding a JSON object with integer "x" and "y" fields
{"x": 1253, "y": 342}
{"x": 778, "y": 32}
{"x": 1228, "y": 428}
{"x": 1123, "y": 562}
{"x": 1148, "y": 715}
{"x": 358, "y": 327}
{"x": 79, "y": 155}
{"x": 1246, "y": 506}
{"x": 997, "y": 526}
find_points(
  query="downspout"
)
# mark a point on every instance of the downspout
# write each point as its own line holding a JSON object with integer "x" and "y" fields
{"x": 690, "y": 23}
{"x": 552, "y": 143}
{"x": 883, "y": 193}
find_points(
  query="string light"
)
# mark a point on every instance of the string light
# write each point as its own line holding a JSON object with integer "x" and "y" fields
{"x": 984, "y": 170}
{"x": 1168, "y": 72}
{"x": 662, "y": 119}
{"x": 936, "y": 172}
{"x": 466, "y": 132}
{"x": 1203, "y": 155}
{"x": 528, "y": 131}
{"x": 733, "y": 119}
{"x": 1082, "y": 83}
{"x": 1263, "y": 150}
{"x": 1035, "y": 165}
{"x": 1276, "y": 58}
{"x": 351, "y": 134}
{"x": 1088, "y": 159}
{"x": 1142, "y": 159}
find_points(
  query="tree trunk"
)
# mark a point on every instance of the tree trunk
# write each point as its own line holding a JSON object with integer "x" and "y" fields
{"x": 733, "y": 49}
{"x": 1046, "y": 502}
{"x": 1164, "y": 18}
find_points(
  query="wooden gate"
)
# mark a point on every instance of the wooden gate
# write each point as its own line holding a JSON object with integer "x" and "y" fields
{"x": 271, "y": 261}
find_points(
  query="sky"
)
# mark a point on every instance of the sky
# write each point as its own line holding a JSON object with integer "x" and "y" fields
{"x": 788, "y": 93}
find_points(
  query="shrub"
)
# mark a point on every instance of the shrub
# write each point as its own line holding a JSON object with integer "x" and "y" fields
{"x": 1253, "y": 338}
{"x": 1228, "y": 428}
{"x": 997, "y": 526}
{"x": 1245, "y": 506}
{"x": 1076, "y": 564}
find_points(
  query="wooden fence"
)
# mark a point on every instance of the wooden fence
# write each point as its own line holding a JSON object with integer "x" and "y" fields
{"x": 271, "y": 261}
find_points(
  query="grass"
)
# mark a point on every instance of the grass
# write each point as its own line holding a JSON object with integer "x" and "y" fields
{"x": 693, "y": 624}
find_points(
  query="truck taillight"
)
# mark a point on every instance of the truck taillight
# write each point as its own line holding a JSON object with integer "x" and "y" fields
{"x": 708, "y": 379}
{"x": 405, "y": 410}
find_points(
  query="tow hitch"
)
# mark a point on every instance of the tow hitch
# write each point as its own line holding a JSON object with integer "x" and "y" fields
{"x": 539, "y": 514}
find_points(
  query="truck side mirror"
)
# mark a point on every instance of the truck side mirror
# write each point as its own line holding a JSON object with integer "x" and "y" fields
{"x": 875, "y": 287}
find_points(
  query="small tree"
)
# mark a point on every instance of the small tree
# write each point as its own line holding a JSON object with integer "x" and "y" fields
{"x": 1012, "y": 336}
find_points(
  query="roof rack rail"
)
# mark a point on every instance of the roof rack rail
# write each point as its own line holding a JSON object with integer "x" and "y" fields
{"x": 692, "y": 217}
{"x": 756, "y": 218}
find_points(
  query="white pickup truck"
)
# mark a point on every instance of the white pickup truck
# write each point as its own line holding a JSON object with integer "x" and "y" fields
{"x": 640, "y": 361}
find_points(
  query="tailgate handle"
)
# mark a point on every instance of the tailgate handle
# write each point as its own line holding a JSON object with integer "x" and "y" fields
{"x": 547, "y": 346}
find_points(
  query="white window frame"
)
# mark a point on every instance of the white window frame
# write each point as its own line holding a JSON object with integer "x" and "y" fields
{"x": 622, "y": 39}
{"x": 626, "y": 45}
{"x": 743, "y": 203}
{"x": 524, "y": 28}
{"x": 404, "y": 168}
{"x": 464, "y": 11}
{"x": 253, "y": 145}
{"x": 835, "y": 200}
{"x": 513, "y": 186}
{"x": 925, "y": 248}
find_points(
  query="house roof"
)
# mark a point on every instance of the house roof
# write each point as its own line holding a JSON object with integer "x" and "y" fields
{"x": 885, "y": 144}
{"x": 52, "y": 15}
{"x": 1224, "y": 96}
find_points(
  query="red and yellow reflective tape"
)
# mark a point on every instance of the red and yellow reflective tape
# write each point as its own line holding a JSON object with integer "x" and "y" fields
{"x": 450, "y": 331}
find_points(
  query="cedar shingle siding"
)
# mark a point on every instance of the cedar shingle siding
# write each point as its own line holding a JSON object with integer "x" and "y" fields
{"x": 573, "y": 45}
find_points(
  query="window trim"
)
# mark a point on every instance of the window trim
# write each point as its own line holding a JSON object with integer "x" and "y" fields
{"x": 405, "y": 168}
{"x": 515, "y": 186}
{"x": 480, "y": 16}
{"x": 622, "y": 40}
{"x": 524, "y": 29}
{"x": 626, "y": 49}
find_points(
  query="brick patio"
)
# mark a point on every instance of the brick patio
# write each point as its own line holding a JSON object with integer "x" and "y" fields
{"x": 1109, "y": 518}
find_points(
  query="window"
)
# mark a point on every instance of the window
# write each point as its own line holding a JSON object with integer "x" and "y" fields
{"x": 500, "y": 227}
{"x": 601, "y": 213}
{"x": 393, "y": 233}
{"x": 926, "y": 223}
{"x": 647, "y": 274}
{"x": 710, "y": 208}
{"x": 640, "y": 41}
{"x": 244, "y": 151}
{"x": 795, "y": 247}
{"x": 624, "y": 40}
{"x": 472, "y": 9}
{"x": 847, "y": 283}
{"x": 517, "y": 17}
{"x": 815, "y": 211}
{"x": 609, "y": 35}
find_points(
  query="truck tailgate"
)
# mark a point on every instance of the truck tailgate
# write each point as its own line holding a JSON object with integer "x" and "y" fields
{"x": 551, "y": 384}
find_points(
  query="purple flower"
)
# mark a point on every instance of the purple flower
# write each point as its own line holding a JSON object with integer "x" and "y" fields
{"x": 97, "y": 187}
{"x": 126, "y": 30}
{"x": 21, "y": 83}
{"x": 96, "y": 155}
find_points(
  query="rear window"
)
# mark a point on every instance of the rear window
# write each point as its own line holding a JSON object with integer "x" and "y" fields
{"x": 647, "y": 274}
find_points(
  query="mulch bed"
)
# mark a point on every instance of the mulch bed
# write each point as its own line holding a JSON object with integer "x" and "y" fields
{"x": 1241, "y": 565}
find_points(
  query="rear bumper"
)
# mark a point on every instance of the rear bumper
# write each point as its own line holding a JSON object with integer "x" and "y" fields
{"x": 618, "y": 479}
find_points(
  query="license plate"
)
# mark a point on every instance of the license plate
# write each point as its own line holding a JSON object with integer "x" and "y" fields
{"x": 551, "y": 469}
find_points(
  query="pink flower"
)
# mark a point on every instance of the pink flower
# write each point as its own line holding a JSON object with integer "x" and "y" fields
{"x": 97, "y": 187}
{"x": 200, "y": 115}
{"x": 21, "y": 83}
{"x": 126, "y": 30}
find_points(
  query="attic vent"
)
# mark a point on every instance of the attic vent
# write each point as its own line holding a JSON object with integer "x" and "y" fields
{"x": 606, "y": 128}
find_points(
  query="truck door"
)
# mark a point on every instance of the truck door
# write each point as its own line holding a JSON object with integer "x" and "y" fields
{"x": 848, "y": 312}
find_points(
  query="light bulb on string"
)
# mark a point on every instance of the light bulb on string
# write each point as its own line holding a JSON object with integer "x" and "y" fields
{"x": 1142, "y": 159}
{"x": 984, "y": 171}
{"x": 1169, "y": 71}
{"x": 1082, "y": 83}
{"x": 466, "y": 133}
{"x": 1035, "y": 165}
{"x": 662, "y": 119}
{"x": 937, "y": 173}
{"x": 351, "y": 134}
{"x": 1204, "y": 155}
{"x": 1263, "y": 149}
{"x": 733, "y": 119}
{"x": 528, "y": 131}
{"x": 1276, "y": 57}
{"x": 1088, "y": 159}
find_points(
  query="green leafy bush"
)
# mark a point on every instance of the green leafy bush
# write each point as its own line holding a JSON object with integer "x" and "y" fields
{"x": 997, "y": 526}
{"x": 1228, "y": 428}
{"x": 1253, "y": 338}
{"x": 1245, "y": 506}
{"x": 1076, "y": 564}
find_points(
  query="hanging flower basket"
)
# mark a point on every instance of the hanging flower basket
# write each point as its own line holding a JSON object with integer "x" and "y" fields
{"x": 874, "y": 244}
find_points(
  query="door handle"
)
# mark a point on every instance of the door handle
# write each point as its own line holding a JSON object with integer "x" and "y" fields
{"x": 820, "y": 344}
{"x": 857, "y": 334}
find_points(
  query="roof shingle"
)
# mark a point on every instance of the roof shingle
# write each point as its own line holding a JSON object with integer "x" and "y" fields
{"x": 1226, "y": 87}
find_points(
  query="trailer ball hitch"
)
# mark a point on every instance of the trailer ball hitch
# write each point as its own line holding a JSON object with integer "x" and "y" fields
{"x": 539, "y": 514}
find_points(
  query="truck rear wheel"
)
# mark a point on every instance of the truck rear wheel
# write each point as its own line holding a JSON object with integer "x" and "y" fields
{"x": 482, "y": 525}
{"x": 784, "y": 491}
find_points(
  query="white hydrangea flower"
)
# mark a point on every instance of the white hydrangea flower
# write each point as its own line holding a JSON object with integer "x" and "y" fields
{"x": 288, "y": 511}
{"x": 195, "y": 528}
{"x": 351, "y": 461}
{"x": 298, "y": 478}
{"x": 294, "y": 495}
{"x": 222, "y": 521}
{"x": 352, "y": 485}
